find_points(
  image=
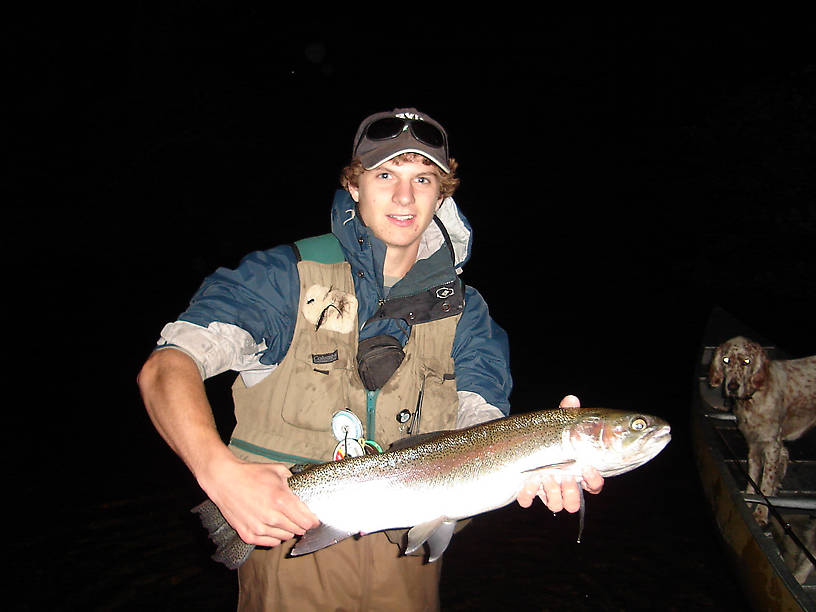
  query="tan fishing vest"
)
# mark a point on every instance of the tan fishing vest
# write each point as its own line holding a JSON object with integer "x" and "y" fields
{"x": 287, "y": 416}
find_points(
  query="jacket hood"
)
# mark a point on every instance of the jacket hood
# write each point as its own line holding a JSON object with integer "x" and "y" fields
{"x": 349, "y": 228}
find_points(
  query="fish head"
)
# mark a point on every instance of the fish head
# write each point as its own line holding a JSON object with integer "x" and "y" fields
{"x": 615, "y": 442}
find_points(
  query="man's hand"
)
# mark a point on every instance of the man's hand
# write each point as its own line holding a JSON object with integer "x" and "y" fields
{"x": 256, "y": 500}
{"x": 254, "y": 497}
{"x": 556, "y": 492}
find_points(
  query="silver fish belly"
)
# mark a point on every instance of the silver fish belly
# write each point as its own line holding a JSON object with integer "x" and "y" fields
{"x": 458, "y": 474}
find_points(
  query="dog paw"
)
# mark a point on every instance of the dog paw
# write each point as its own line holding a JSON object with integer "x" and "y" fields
{"x": 761, "y": 516}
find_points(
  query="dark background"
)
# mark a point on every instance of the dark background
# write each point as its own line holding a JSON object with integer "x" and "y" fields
{"x": 623, "y": 175}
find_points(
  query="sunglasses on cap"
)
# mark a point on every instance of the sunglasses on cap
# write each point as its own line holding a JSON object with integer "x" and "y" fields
{"x": 391, "y": 127}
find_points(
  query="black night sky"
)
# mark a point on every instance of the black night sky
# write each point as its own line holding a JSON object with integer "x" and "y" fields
{"x": 623, "y": 175}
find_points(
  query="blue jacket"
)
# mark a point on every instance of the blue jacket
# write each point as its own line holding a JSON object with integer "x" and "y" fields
{"x": 261, "y": 297}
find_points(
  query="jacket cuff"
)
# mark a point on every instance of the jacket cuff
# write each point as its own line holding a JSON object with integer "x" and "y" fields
{"x": 216, "y": 348}
{"x": 473, "y": 409}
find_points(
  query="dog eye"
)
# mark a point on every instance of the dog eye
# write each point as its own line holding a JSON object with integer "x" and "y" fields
{"x": 746, "y": 361}
{"x": 726, "y": 360}
{"x": 638, "y": 423}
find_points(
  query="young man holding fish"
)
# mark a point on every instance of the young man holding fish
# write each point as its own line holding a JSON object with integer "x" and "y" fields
{"x": 344, "y": 345}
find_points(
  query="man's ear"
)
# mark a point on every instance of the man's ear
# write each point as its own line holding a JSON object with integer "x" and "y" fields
{"x": 354, "y": 192}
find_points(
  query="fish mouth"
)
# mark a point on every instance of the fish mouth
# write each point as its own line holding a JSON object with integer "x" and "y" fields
{"x": 655, "y": 441}
{"x": 646, "y": 448}
{"x": 659, "y": 435}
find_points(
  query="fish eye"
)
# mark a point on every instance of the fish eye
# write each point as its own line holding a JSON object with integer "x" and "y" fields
{"x": 638, "y": 423}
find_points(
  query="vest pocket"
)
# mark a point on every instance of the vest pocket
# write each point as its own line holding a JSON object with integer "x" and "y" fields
{"x": 377, "y": 359}
{"x": 314, "y": 392}
{"x": 440, "y": 392}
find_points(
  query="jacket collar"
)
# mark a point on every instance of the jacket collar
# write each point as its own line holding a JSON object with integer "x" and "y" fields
{"x": 355, "y": 238}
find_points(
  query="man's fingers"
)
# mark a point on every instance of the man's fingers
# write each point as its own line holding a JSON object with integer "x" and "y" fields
{"x": 527, "y": 494}
{"x": 275, "y": 533}
{"x": 570, "y": 495}
{"x": 262, "y": 508}
{"x": 292, "y": 514}
{"x": 570, "y": 401}
{"x": 593, "y": 481}
{"x": 560, "y": 492}
{"x": 273, "y": 538}
{"x": 300, "y": 513}
{"x": 271, "y": 530}
{"x": 288, "y": 511}
{"x": 550, "y": 494}
{"x": 277, "y": 523}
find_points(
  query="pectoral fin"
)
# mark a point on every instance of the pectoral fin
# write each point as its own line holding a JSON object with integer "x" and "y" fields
{"x": 317, "y": 538}
{"x": 582, "y": 508}
{"x": 437, "y": 533}
{"x": 581, "y": 513}
{"x": 551, "y": 466}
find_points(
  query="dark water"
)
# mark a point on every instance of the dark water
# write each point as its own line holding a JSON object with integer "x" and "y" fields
{"x": 127, "y": 541}
{"x": 648, "y": 538}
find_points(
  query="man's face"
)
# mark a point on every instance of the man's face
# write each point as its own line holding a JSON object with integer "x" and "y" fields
{"x": 398, "y": 201}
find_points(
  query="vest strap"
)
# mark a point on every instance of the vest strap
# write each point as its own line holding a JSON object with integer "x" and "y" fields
{"x": 324, "y": 249}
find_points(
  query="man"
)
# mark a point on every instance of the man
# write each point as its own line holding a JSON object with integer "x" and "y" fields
{"x": 344, "y": 343}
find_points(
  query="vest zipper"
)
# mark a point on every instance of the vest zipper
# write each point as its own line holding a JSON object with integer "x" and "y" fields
{"x": 371, "y": 413}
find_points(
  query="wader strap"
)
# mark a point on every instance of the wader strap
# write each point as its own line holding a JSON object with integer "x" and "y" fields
{"x": 270, "y": 454}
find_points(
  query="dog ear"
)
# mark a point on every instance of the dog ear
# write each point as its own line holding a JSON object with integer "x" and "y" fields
{"x": 760, "y": 375}
{"x": 715, "y": 372}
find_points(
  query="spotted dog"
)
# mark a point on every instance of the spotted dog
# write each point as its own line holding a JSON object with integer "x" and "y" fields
{"x": 773, "y": 400}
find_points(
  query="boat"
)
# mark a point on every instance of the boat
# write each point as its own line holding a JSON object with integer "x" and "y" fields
{"x": 765, "y": 560}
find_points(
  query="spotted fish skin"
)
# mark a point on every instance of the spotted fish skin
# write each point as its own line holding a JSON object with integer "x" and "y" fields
{"x": 456, "y": 474}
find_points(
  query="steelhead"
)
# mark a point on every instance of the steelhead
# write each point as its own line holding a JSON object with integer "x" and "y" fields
{"x": 453, "y": 475}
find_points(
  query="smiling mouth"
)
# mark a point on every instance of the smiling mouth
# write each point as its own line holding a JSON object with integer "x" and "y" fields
{"x": 402, "y": 220}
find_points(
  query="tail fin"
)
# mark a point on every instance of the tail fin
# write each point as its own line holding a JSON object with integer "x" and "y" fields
{"x": 230, "y": 550}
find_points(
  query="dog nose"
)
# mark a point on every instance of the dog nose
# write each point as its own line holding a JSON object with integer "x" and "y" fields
{"x": 732, "y": 386}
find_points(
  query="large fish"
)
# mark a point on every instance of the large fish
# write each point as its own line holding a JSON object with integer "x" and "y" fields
{"x": 453, "y": 475}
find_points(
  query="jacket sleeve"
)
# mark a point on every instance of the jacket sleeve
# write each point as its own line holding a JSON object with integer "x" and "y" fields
{"x": 481, "y": 354}
{"x": 242, "y": 317}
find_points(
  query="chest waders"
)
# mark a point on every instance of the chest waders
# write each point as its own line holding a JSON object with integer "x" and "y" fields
{"x": 286, "y": 417}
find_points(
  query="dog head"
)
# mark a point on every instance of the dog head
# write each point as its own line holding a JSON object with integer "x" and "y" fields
{"x": 740, "y": 365}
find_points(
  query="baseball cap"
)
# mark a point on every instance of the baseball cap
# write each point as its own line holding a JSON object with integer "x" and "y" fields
{"x": 383, "y": 136}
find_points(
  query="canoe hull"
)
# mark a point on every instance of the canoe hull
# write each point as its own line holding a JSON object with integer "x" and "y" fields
{"x": 766, "y": 580}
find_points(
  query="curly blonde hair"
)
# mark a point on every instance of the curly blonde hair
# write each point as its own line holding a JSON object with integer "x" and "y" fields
{"x": 448, "y": 182}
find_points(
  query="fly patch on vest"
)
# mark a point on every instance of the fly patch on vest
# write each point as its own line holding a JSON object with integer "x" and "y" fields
{"x": 329, "y": 309}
